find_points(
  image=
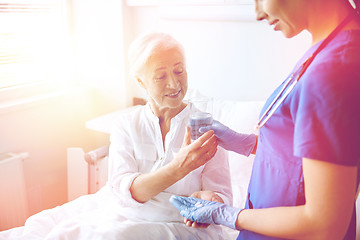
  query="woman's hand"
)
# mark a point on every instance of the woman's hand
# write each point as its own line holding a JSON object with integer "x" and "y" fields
{"x": 190, "y": 157}
{"x": 204, "y": 195}
{"x": 195, "y": 154}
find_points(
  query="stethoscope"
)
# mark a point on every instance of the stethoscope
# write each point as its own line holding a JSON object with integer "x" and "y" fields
{"x": 290, "y": 83}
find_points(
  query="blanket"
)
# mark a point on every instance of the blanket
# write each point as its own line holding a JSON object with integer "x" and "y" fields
{"x": 99, "y": 216}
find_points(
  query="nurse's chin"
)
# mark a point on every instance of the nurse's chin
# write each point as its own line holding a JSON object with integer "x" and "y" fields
{"x": 289, "y": 34}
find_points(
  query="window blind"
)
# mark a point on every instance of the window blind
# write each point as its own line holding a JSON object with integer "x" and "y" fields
{"x": 33, "y": 42}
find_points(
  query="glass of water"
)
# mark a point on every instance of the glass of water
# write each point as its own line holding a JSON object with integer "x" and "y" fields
{"x": 200, "y": 116}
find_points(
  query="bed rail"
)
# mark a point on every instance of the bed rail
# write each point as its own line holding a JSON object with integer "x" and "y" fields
{"x": 97, "y": 168}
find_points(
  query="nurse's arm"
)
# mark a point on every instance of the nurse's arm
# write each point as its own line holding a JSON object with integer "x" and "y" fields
{"x": 330, "y": 191}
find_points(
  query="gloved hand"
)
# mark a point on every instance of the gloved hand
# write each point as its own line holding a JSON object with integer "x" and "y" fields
{"x": 203, "y": 211}
{"x": 230, "y": 140}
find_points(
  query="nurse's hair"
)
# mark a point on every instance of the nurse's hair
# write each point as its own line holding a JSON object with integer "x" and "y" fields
{"x": 142, "y": 48}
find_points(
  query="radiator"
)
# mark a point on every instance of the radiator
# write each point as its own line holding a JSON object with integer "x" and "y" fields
{"x": 13, "y": 200}
{"x": 87, "y": 172}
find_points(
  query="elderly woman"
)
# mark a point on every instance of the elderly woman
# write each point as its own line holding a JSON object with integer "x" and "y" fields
{"x": 151, "y": 157}
{"x": 147, "y": 161}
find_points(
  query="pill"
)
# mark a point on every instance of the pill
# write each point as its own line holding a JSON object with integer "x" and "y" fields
{"x": 198, "y": 204}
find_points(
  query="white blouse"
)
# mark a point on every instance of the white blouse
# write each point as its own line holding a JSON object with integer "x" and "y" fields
{"x": 137, "y": 147}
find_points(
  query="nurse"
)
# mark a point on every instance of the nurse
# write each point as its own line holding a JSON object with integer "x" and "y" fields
{"x": 305, "y": 173}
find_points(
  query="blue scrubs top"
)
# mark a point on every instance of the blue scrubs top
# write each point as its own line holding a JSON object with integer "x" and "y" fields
{"x": 319, "y": 119}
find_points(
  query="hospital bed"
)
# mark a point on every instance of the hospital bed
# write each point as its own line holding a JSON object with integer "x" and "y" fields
{"x": 238, "y": 115}
{"x": 87, "y": 171}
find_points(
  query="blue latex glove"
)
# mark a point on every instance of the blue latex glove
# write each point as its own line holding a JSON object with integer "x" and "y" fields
{"x": 230, "y": 140}
{"x": 202, "y": 211}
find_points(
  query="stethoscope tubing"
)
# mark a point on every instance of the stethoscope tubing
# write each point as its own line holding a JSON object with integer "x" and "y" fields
{"x": 280, "y": 97}
{"x": 276, "y": 103}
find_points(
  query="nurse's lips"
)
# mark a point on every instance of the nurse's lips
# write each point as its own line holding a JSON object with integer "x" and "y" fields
{"x": 174, "y": 94}
{"x": 274, "y": 23}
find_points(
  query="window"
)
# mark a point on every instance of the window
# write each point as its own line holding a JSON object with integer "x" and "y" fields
{"x": 34, "y": 44}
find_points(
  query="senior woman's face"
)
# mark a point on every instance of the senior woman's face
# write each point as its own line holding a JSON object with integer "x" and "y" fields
{"x": 165, "y": 78}
{"x": 287, "y": 16}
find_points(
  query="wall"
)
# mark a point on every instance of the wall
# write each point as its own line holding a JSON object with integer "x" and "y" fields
{"x": 47, "y": 128}
{"x": 99, "y": 48}
{"x": 44, "y": 130}
{"x": 237, "y": 57}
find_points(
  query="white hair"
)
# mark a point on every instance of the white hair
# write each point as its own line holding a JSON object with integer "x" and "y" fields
{"x": 142, "y": 48}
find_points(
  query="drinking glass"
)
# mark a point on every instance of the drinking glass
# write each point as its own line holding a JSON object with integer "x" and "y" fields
{"x": 200, "y": 116}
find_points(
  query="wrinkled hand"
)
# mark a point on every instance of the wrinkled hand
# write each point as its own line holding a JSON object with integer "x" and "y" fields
{"x": 207, "y": 195}
{"x": 204, "y": 195}
{"x": 203, "y": 211}
{"x": 231, "y": 140}
{"x": 195, "y": 154}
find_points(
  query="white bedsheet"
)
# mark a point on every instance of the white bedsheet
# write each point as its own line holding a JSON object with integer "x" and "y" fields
{"x": 98, "y": 216}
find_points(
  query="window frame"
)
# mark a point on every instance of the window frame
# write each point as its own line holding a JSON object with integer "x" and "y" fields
{"x": 24, "y": 94}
